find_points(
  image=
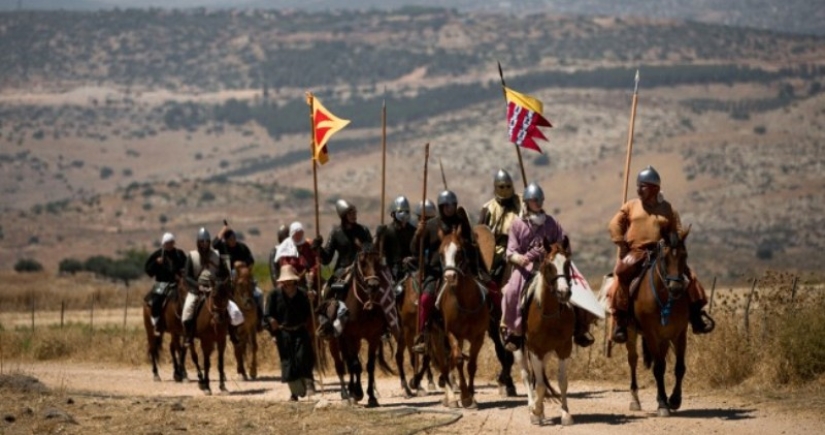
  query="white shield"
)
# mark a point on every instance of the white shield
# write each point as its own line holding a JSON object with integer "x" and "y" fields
{"x": 582, "y": 296}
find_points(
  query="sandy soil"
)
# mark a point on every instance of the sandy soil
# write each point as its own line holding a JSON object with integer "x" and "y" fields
{"x": 596, "y": 407}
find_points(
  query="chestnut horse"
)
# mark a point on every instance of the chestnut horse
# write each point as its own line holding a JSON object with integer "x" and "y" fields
{"x": 172, "y": 324}
{"x": 212, "y": 326}
{"x": 463, "y": 307}
{"x": 366, "y": 322}
{"x": 550, "y": 321}
{"x": 248, "y": 331}
{"x": 660, "y": 312}
{"x": 408, "y": 319}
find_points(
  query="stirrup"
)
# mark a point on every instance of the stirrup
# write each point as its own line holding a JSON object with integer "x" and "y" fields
{"x": 584, "y": 339}
{"x": 619, "y": 334}
{"x": 706, "y": 323}
{"x": 513, "y": 343}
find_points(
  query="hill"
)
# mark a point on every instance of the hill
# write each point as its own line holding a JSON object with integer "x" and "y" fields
{"x": 95, "y": 105}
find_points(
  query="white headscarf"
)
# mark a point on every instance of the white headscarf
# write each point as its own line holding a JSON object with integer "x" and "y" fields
{"x": 288, "y": 248}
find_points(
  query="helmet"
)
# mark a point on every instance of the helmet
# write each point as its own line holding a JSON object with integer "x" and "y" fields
{"x": 447, "y": 197}
{"x": 203, "y": 235}
{"x": 649, "y": 175}
{"x": 205, "y": 277}
{"x": 503, "y": 185}
{"x": 342, "y": 207}
{"x": 429, "y": 209}
{"x": 401, "y": 204}
{"x": 283, "y": 233}
{"x": 533, "y": 191}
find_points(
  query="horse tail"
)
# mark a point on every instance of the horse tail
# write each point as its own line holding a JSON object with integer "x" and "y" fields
{"x": 646, "y": 356}
{"x": 382, "y": 362}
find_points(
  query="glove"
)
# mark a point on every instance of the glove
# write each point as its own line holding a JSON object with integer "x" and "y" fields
{"x": 317, "y": 243}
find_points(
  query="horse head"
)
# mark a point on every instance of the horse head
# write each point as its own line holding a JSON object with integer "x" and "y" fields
{"x": 243, "y": 287}
{"x": 367, "y": 267}
{"x": 556, "y": 269}
{"x": 672, "y": 262}
{"x": 453, "y": 241}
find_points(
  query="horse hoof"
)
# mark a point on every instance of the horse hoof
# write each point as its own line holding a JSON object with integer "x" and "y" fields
{"x": 536, "y": 419}
{"x": 663, "y": 412}
{"x": 567, "y": 420}
{"x": 674, "y": 403}
{"x": 635, "y": 406}
{"x": 372, "y": 402}
{"x": 207, "y": 391}
{"x": 468, "y": 402}
{"x": 421, "y": 393}
{"x": 157, "y": 378}
{"x": 431, "y": 386}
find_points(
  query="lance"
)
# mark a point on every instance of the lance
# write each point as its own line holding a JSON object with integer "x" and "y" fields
{"x": 518, "y": 149}
{"x": 443, "y": 177}
{"x": 316, "y": 344}
{"x": 608, "y": 348}
{"x": 383, "y": 154}
{"x": 423, "y": 238}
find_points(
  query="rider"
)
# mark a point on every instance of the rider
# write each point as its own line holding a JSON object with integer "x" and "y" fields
{"x": 296, "y": 252}
{"x": 204, "y": 258}
{"x": 345, "y": 239}
{"x": 227, "y": 243}
{"x": 446, "y": 220}
{"x": 166, "y": 266}
{"x": 283, "y": 233}
{"x": 498, "y": 214}
{"x": 525, "y": 247}
{"x": 397, "y": 237}
{"x": 636, "y": 229}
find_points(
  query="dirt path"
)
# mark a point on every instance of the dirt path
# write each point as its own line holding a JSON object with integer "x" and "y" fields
{"x": 597, "y": 408}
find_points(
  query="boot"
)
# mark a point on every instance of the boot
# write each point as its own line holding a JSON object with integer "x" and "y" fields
{"x": 189, "y": 330}
{"x": 422, "y": 340}
{"x": 619, "y": 327}
{"x": 697, "y": 320}
{"x": 513, "y": 342}
{"x": 156, "y": 325}
{"x": 581, "y": 333}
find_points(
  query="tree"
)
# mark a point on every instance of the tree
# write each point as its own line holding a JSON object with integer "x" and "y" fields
{"x": 27, "y": 265}
{"x": 70, "y": 265}
{"x": 125, "y": 270}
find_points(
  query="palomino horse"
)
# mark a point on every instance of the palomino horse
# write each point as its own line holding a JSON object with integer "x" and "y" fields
{"x": 660, "y": 313}
{"x": 465, "y": 313}
{"x": 248, "y": 331}
{"x": 212, "y": 326}
{"x": 408, "y": 319}
{"x": 172, "y": 324}
{"x": 366, "y": 322}
{"x": 550, "y": 321}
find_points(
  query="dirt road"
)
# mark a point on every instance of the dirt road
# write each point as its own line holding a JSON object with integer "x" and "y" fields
{"x": 597, "y": 408}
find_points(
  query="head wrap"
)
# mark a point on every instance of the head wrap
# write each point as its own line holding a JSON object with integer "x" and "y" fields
{"x": 167, "y": 237}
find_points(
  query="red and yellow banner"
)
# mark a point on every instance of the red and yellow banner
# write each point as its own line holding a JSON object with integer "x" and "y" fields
{"x": 524, "y": 117}
{"x": 324, "y": 125}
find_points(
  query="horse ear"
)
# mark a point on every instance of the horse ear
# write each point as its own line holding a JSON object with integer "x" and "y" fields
{"x": 685, "y": 233}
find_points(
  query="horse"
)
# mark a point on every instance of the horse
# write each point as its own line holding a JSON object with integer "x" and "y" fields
{"x": 170, "y": 316}
{"x": 408, "y": 319}
{"x": 463, "y": 307}
{"x": 550, "y": 322}
{"x": 212, "y": 326}
{"x": 248, "y": 331}
{"x": 660, "y": 313}
{"x": 366, "y": 322}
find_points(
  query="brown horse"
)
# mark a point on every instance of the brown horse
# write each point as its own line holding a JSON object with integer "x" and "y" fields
{"x": 366, "y": 322}
{"x": 212, "y": 326}
{"x": 660, "y": 313}
{"x": 172, "y": 324}
{"x": 248, "y": 331}
{"x": 408, "y": 318}
{"x": 550, "y": 321}
{"x": 464, "y": 309}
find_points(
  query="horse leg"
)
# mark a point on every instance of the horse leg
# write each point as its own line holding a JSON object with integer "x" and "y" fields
{"x": 253, "y": 338}
{"x": 206, "y": 348}
{"x": 194, "y": 355}
{"x": 240, "y": 350}
{"x": 154, "y": 352}
{"x": 537, "y": 410}
{"x": 506, "y": 387}
{"x": 566, "y": 418}
{"x": 659, "y": 352}
{"x": 355, "y": 369}
{"x": 425, "y": 365}
{"x": 526, "y": 378}
{"x": 633, "y": 362}
{"x": 174, "y": 352}
{"x": 335, "y": 351}
{"x": 372, "y": 351}
{"x": 675, "y": 401}
{"x": 458, "y": 362}
{"x": 221, "y": 373}
{"x": 472, "y": 367}
{"x": 399, "y": 363}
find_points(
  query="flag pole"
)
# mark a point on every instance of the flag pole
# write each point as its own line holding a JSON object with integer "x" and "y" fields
{"x": 316, "y": 344}
{"x": 609, "y": 342}
{"x": 443, "y": 177}
{"x": 383, "y": 155}
{"x": 518, "y": 149}
{"x": 421, "y": 265}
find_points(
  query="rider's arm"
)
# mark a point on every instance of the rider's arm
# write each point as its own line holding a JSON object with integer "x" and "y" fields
{"x": 329, "y": 248}
{"x": 618, "y": 225}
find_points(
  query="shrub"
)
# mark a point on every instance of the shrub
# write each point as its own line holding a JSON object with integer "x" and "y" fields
{"x": 106, "y": 172}
{"x": 27, "y": 265}
{"x": 70, "y": 265}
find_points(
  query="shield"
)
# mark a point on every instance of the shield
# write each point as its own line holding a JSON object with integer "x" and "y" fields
{"x": 486, "y": 244}
{"x": 581, "y": 295}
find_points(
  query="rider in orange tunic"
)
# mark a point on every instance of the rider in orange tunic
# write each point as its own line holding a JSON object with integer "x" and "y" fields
{"x": 636, "y": 229}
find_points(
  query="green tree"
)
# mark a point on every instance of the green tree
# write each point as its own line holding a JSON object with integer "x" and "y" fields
{"x": 27, "y": 265}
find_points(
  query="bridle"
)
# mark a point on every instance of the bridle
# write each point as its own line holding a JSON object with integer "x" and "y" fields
{"x": 657, "y": 264}
{"x": 360, "y": 282}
